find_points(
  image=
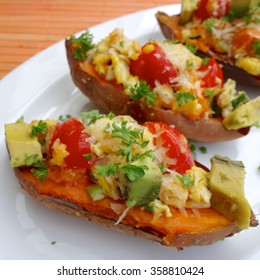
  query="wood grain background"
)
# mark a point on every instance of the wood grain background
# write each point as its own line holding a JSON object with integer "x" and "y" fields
{"x": 29, "y": 26}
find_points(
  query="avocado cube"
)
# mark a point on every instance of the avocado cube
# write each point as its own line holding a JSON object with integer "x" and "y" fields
{"x": 187, "y": 9}
{"x": 146, "y": 189}
{"x": 226, "y": 183}
{"x": 21, "y": 144}
{"x": 245, "y": 115}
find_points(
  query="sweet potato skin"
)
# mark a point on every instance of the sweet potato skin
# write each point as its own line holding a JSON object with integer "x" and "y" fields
{"x": 62, "y": 203}
{"x": 169, "y": 26}
{"x": 110, "y": 97}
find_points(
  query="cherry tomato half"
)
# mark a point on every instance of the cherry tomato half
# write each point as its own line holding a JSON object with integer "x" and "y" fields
{"x": 208, "y": 8}
{"x": 152, "y": 65}
{"x": 175, "y": 142}
{"x": 211, "y": 74}
{"x": 70, "y": 132}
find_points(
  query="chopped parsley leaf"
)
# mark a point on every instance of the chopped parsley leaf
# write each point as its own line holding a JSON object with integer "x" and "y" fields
{"x": 163, "y": 168}
{"x": 30, "y": 160}
{"x": 171, "y": 41}
{"x": 193, "y": 149}
{"x": 188, "y": 63}
{"x": 88, "y": 156}
{"x": 209, "y": 23}
{"x": 184, "y": 97}
{"x": 142, "y": 90}
{"x": 41, "y": 127}
{"x": 216, "y": 109}
{"x": 90, "y": 117}
{"x": 40, "y": 171}
{"x": 107, "y": 170}
{"x": 229, "y": 17}
{"x": 63, "y": 118}
{"x": 133, "y": 172}
{"x": 209, "y": 93}
{"x": 203, "y": 150}
{"x": 82, "y": 44}
{"x": 205, "y": 60}
{"x": 192, "y": 48}
{"x": 129, "y": 137}
{"x": 256, "y": 44}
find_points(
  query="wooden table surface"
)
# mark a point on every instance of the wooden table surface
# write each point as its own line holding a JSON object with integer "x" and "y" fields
{"x": 29, "y": 26}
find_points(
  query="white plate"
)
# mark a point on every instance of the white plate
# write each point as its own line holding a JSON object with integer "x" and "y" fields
{"x": 41, "y": 88}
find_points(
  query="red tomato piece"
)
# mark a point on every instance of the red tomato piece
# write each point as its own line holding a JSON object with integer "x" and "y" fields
{"x": 207, "y": 9}
{"x": 153, "y": 66}
{"x": 212, "y": 73}
{"x": 71, "y": 133}
{"x": 175, "y": 142}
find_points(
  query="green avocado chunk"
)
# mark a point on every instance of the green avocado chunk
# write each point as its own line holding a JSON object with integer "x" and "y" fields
{"x": 187, "y": 9}
{"x": 21, "y": 144}
{"x": 226, "y": 183}
{"x": 245, "y": 115}
{"x": 144, "y": 190}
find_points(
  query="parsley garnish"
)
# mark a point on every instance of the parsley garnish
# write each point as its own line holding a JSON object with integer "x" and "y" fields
{"x": 63, "y": 118}
{"x": 129, "y": 137}
{"x": 82, "y": 44}
{"x": 203, "y": 149}
{"x": 205, "y": 60}
{"x": 30, "y": 160}
{"x": 241, "y": 99}
{"x": 163, "y": 168}
{"x": 171, "y": 41}
{"x": 90, "y": 117}
{"x": 208, "y": 23}
{"x": 188, "y": 63}
{"x": 209, "y": 93}
{"x": 142, "y": 90}
{"x": 88, "y": 156}
{"x": 229, "y": 17}
{"x": 193, "y": 149}
{"x": 133, "y": 172}
{"x": 185, "y": 179}
{"x": 184, "y": 97}
{"x": 192, "y": 48}
{"x": 107, "y": 170}
{"x": 41, "y": 170}
{"x": 216, "y": 109}
{"x": 41, "y": 127}
{"x": 256, "y": 44}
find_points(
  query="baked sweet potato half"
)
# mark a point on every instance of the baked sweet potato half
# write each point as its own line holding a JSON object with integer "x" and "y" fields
{"x": 161, "y": 81}
{"x": 139, "y": 179}
{"x": 227, "y": 30}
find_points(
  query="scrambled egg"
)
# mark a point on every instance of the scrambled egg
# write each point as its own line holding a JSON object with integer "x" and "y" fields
{"x": 111, "y": 57}
{"x": 59, "y": 153}
{"x": 187, "y": 191}
{"x": 249, "y": 64}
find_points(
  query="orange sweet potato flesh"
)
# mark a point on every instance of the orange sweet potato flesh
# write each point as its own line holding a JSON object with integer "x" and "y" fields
{"x": 110, "y": 97}
{"x": 178, "y": 231}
